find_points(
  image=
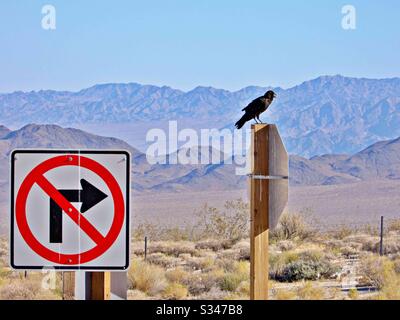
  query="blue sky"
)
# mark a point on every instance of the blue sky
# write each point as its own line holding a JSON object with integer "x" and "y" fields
{"x": 183, "y": 43}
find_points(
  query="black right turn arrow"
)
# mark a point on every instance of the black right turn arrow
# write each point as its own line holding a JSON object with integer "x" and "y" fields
{"x": 89, "y": 196}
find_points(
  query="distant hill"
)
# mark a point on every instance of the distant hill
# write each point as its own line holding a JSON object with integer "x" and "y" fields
{"x": 4, "y": 131}
{"x": 53, "y": 136}
{"x": 327, "y": 115}
{"x": 379, "y": 161}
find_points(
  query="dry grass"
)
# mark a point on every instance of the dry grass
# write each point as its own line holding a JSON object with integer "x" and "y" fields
{"x": 175, "y": 291}
{"x": 146, "y": 277}
{"x": 282, "y": 294}
{"x": 310, "y": 292}
{"x": 213, "y": 262}
{"x": 292, "y": 227}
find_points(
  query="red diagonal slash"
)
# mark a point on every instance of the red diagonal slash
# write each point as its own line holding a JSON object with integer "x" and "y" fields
{"x": 69, "y": 209}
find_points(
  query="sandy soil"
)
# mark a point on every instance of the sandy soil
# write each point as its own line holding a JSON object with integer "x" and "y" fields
{"x": 357, "y": 203}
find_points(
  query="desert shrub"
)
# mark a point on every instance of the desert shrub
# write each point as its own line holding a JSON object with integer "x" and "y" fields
{"x": 172, "y": 248}
{"x": 396, "y": 265}
{"x": 306, "y": 270}
{"x": 372, "y": 230}
{"x": 371, "y": 245}
{"x": 231, "y": 280}
{"x": 146, "y": 277}
{"x": 236, "y": 296}
{"x": 137, "y": 295}
{"x": 231, "y": 254}
{"x": 286, "y": 245}
{"x": 353, "y": 294}
{"x": 390, "y": 289}
{"x": 334, "y": 244}
{"x": 230, "y": 223}
{"x": 394, "y": 225}
{"x": 310, "y": 292}
{"x": 381, "y": 273}
{"x": 375, "y": 271}
{"x": 282, "y": 294}
{"x": 175, "y": 291}
{"x": 211, "y": 279}
{"x": 215, "y": 293}
{"x": 292, "y": 227}
{"x": 20, "y": 290}
{"x": 348, "y": 251}
{"x": 163, "y": 260}
{"x": 342, "y": 231}
{"x": 244, "y": 247}
{"x": 390, "y": 246}
{"x": 194, "y": 283}
{"x": 244, "y": 288}
{"x": 308, "y": 265}
{"x": 176, "y": 275}
{"x": 214, "y": 245}
{"x": 199, "y": 263}
{"x": 200, "y": 283}
{"x": 278, "y": 262}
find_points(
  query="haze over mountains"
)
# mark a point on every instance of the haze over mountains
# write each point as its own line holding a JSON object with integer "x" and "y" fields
{"x": 330, "y": 114}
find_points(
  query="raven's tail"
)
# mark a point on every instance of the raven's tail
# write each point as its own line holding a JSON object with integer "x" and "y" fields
{"x": 242, "y": 121}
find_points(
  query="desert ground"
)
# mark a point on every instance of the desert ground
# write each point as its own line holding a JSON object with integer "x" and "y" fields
{"x": 211, "y": 261}
{"x": 354, "y": 204}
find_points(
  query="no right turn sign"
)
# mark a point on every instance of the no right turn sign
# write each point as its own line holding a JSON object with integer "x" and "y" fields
{"x": 70, "y": 209}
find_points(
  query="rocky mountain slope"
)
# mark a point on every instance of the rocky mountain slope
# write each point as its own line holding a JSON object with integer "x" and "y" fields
{"x": 330, "y": 114}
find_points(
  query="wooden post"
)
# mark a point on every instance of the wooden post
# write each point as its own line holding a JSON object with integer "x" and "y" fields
{"x": 381, "y": 239}
{"x": 259, "y": 213}
{"x": 100, "y": 286}
{"x": 68, "y": 285}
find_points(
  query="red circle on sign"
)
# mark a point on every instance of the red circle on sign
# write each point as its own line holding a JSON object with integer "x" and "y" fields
{"x": 35, "y": 175}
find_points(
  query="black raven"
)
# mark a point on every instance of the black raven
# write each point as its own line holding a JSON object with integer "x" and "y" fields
{"x": 255, "y": 108}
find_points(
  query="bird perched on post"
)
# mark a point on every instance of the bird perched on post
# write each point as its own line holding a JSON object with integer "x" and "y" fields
{"x": 255, "y": 108}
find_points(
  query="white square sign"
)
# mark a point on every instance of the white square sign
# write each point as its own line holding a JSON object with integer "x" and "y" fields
{"x": 70, "y": 209}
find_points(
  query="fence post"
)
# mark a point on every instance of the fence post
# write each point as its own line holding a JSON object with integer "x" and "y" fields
{"x": 381, "y": 241}
{"x": 145, "y": 248}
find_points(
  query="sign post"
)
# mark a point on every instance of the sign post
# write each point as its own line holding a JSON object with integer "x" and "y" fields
{"x": 70, "y": 211}
{"x": 268, "y": 198}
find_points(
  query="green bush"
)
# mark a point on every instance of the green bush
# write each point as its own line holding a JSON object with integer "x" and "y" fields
{"x": 309, "y": 265}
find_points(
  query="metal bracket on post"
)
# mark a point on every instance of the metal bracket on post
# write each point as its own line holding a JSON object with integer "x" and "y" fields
{"x": 262, "y": 177}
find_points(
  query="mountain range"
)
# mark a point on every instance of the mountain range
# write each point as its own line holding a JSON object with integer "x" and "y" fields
{"x": 380, "y": 161}
{"x": 326, "y": 115}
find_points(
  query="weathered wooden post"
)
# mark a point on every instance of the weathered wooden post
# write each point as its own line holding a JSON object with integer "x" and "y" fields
{"x": 96, "y": 285}
{"x": 68, "y": 285}
{"x": 269, "y": 194}
{"x": 100, "y": 288}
